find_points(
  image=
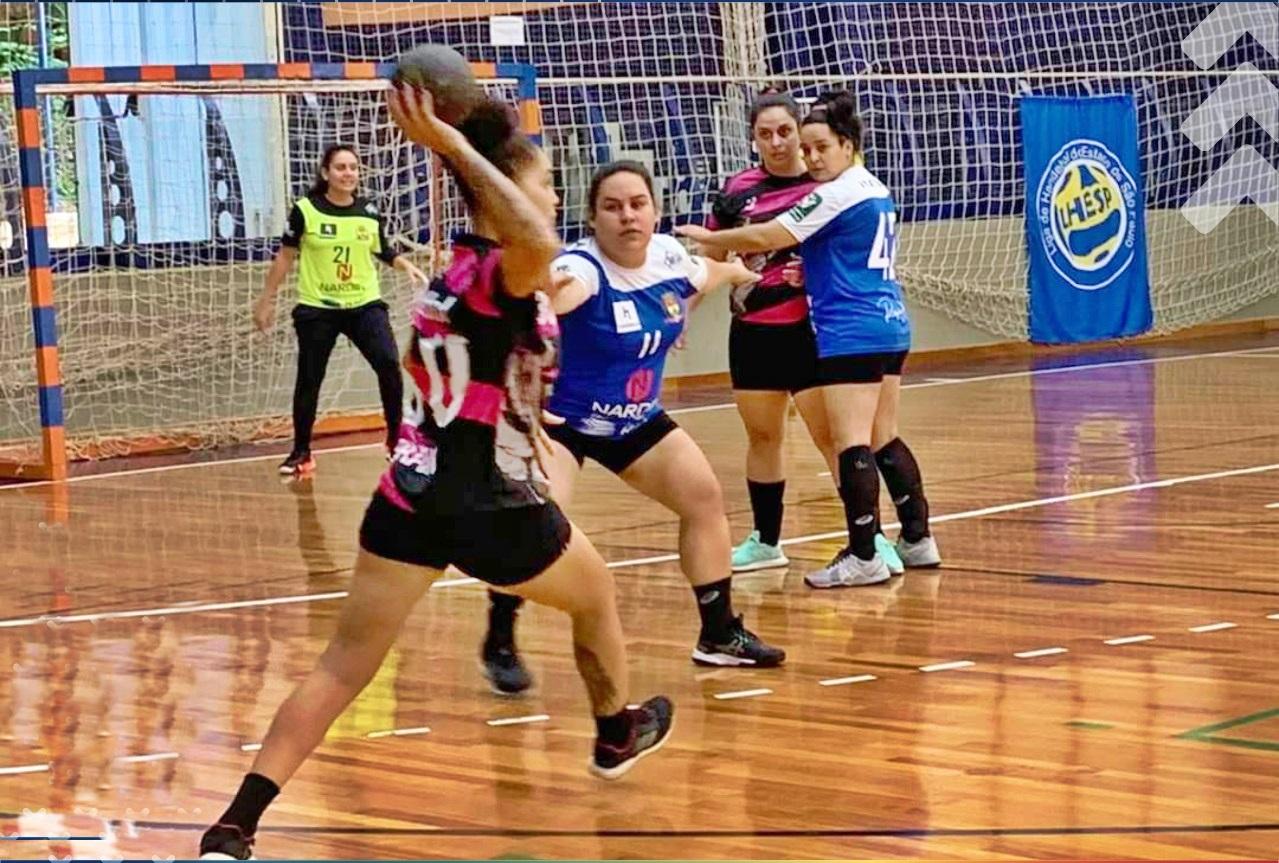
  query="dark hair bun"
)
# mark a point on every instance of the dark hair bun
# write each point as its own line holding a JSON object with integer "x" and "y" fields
{"x": 488, "y": 127}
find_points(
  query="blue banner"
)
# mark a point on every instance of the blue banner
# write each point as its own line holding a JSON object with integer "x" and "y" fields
{"x": 1085, "y": 219}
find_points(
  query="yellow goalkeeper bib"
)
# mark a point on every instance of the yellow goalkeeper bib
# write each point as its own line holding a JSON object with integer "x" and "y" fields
{"x": 337, "y": 269}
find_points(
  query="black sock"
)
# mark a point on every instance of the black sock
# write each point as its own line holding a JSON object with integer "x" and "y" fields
{"x": 859, "y": 489}
{"x": 255, "y": 795}
{"x": 613, "y": 729}
{"x": 715, "y": 604}
{"x": 766, "y": 503}
{"x": 906, "y": 485}
{"x": 502, "y": 610}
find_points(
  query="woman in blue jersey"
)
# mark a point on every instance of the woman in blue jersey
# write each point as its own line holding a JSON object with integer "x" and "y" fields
{"x": 622, "y": 298}
{"x": 847, "y": 233}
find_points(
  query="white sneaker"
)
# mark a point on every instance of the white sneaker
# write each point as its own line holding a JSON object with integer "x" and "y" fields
{"x": 919, "y": 555}
{"x": 849, "y": 570}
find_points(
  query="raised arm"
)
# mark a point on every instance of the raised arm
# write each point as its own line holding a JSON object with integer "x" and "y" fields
{"x": 529, "y": 243}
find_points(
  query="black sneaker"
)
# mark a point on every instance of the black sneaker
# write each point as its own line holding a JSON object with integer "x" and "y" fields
{"x": 740, "y": 646}
{"x": 504, "y": 670}
{"x": 225, "y": 842}
{"x": 651, "y": 725}
{"x": 297, "y": 463}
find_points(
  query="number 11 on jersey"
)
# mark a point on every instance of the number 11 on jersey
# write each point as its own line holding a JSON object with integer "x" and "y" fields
{"x": 883, "y": 252}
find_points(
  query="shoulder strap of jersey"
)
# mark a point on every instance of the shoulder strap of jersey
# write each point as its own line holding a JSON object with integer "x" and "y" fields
{"x": 603, "y": 277}
{"x": 307, "y": 206}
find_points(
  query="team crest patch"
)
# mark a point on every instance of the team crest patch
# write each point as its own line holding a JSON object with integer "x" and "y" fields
{"x": 670, "y": 303}
{"x": 811, "y": 202}
{"x": 362, "y": 234}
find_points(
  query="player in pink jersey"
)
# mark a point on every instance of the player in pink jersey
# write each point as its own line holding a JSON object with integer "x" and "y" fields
{"x": 465, "y": 486}
{"x": 772, "y": 352}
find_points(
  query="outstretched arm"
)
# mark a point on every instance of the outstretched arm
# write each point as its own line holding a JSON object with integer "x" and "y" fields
{"x": 763, "y": 237}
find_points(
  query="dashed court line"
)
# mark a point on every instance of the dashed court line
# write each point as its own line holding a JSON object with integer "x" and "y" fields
{"x": 844, "y": 681}
{"x": 518, "y": 720}
{"x": 742, "y": 693}
{"x": 1129, "y": 639}
{"x": 1213, "y": 627}
{"x": 1043, "y": 651}
{"x": 947, "y": 666}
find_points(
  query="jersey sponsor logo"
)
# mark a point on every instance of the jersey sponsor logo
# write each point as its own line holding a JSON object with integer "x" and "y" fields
{"x": 626, "y": 316}
{"x": 1084, "y": 209}
{"x": 674, "y": 312}
{"x": 597, "y": 427}
{"x": 811, "y": 202}
{"x": 344, "y": 272}
{"x": 749, "y": 206}
{"x": 328, "y": 229}
{"x": 362, "y": 234}
{"x": 639, "y": 385}
{"x": 671, "y": 260}
{"x": 371, "y": 209}
{"x": 893, "y": 310}
{"x": 633, "y": 411}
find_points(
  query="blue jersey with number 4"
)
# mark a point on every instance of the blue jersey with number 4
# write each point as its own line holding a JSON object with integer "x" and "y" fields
{"x": 613, "y": 347}
{"x": 847, "y": 230}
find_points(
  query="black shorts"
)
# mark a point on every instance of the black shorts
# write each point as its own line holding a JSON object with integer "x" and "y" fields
{"x": 860, "y": 368}
{"x": 772, "y": 357}
{"x": 501, "y": 547}
{"x": 616, "y": 454}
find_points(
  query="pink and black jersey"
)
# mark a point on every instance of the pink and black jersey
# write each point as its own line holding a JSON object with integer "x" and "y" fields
{"x": 753, "y": 196}
{"x": 479, "y": 361}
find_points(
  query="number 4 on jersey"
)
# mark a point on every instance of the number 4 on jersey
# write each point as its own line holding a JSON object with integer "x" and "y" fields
{"x": 883, "y": 252}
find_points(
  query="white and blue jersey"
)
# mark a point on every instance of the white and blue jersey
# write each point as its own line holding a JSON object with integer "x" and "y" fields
{"x": 847, "y": 230}
{"x": 613, "y": 347}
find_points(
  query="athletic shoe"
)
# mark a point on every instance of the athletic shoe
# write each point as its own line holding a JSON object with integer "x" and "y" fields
{"x": 225, "y": 842}
{"x": 504, "y": 670}
{"x": 297, "y": 463}
{"x": 849, "y": 570}
{"x": 651, "y": 725}
{"x": 919, "y": 555}
{"x": 753, "y": 554}
{"x": 885, "y": 549}
{"x": 739, "y": 646}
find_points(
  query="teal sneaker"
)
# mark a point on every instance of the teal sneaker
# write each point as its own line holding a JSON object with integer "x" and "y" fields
{"x": 888, "y": 552}
{"x": 753, "y": 554}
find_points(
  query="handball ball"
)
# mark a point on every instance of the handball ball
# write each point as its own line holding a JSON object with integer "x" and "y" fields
{"x": 446, "y": 74}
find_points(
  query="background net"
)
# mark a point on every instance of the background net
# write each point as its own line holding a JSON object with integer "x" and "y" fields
{"x": 148, "y": 349}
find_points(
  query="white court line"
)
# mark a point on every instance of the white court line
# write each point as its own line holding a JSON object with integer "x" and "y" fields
{"x": 1273, "y": 505}
{"x": 660, "y": 558}
{"x": 144, "y": 759}
{"x": 1043, "y": 651}
{"x": 1129, "y": 639}
{"x": 398, "y": 732}
{"x": 173, "y": 609}
{"x": 1213, "y": 627}
{"x": 1025, "y": 373}
{"x": 251, "y": 747}
{"x": 23, "y": 768}
{"x": 454, "y": 582}
{"x": 519, "y": 720}
{"x": 1272, "y": 617}
{"x": 844, "y": 681}
{"x": 743, "y": 693}
{"x": 947, "y": 666}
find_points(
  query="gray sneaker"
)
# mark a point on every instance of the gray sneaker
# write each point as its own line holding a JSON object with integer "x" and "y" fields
{"x": 919, "y": 555}
{"x": 849, "y": 570}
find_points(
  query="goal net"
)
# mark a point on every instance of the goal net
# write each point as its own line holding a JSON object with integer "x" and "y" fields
{"x": 181, "y": 193}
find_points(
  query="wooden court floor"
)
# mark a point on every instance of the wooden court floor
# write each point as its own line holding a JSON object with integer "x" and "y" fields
{"x": 1104, "y": 639}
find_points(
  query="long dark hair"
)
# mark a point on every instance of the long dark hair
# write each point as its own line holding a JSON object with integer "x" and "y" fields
{"x": 492, "y": 128}
{"x": 621, "y": 166}
{"x": 321, "y": 185}
{"x": 838, "y": 109}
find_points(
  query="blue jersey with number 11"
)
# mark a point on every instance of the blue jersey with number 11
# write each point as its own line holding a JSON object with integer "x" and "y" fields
{"x": 847, "y": 230}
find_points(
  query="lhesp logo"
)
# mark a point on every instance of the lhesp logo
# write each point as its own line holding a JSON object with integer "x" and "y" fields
{"x": 1247, "y": 92}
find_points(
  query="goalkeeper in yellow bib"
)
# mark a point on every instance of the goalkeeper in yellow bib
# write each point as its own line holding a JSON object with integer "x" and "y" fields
{"x": 337, "y": 235}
